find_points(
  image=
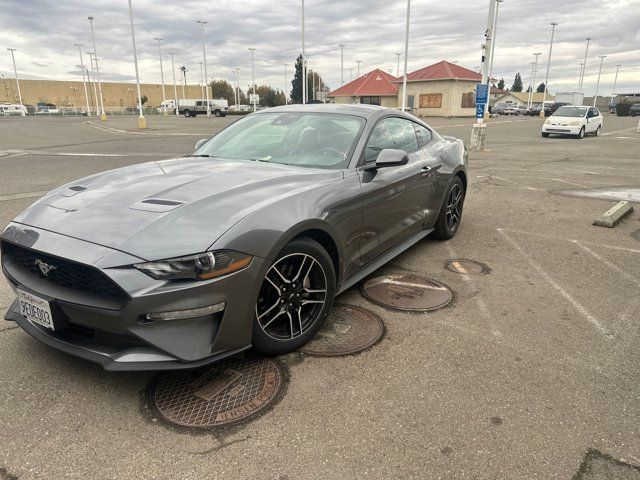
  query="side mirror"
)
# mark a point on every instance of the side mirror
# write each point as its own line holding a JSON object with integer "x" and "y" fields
{"x": 201, "y": 142}
{"x": 390, "y": 157}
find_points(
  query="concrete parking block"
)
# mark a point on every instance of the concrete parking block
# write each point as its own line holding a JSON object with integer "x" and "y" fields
{"x": 614, "y": 215}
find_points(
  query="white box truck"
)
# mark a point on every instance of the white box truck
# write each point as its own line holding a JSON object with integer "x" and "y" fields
{"x": 190, "y": 107}
{"x": 572, "y": 98}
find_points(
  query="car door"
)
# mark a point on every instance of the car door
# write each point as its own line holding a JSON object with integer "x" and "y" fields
{"x": 393, "y": 198}
{"x": 592, "y": 120}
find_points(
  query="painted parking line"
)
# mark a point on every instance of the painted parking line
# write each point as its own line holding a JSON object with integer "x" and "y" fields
{"x": 17, "y": 196}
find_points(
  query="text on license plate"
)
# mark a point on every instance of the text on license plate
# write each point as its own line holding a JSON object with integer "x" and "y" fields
{"x": 35, "y": 309}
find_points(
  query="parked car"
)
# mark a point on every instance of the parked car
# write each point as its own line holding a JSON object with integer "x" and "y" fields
{"x": 549, "y": 108}
{"x": 179, "y": 263}
{"x": 12, "y": 109}
{"x": 511, "y": 109}
{"x": 634, "y": 110}
{"x": 498, "y": 108}
{"x": 574, "y": 121}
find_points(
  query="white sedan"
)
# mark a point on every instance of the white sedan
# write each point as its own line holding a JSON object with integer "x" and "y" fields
{"x": 574, "y": 121}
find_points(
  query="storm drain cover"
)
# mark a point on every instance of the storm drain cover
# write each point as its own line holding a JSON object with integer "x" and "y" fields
{"x": 407, "y": 292}
{"x": 465, "y": 266}
{"x": 600, "y": 466}
{"x": 349, "y": 329}
{"x": 226, "y": 393}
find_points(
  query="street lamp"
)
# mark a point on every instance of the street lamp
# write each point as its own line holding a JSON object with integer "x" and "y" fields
{"x": 398, "y": 54}
{"x": 595, "y": 97}
{"x": 164, "y": 97}
{"x": 493, "y": 46}
{"x": 533, "y": 80}
{"x": 15, "y": 71}
{"x": 286, "y": 101}
{"x": 358, "y": 62}
{"x": 304, "y": 62}
{"x": 184, "y": 71}
{"x": 204, "y": 60}
{"x": 93, "y": 79}
{"x": 546, "y": 78}
{"x": 342, "y": 45}
{"x": 142, "y": 122}
{"x": 406, "y": 56}
{"x": 584, "y": 67}
{"x": 253, "y": 78}
{"x": 103, "y": 115}
{"x": 175, "y": 86}
{"x": 615, "y": 81}
{"x": 86, "y": 96}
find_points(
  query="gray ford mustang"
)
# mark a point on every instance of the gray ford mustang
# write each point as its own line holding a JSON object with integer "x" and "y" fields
{"x": 245, "y": 243}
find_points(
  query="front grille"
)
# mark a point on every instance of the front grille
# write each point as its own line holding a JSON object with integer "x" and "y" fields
{"x": 66, "y": 273}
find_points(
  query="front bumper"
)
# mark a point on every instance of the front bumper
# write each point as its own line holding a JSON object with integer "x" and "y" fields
{"x": 561, "y": 129}
{"x": 118, "y": 336}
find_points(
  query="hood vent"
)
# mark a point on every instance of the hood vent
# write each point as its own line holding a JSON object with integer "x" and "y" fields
{"x": 72, "y": 190}
{"x": 156, "y": 205}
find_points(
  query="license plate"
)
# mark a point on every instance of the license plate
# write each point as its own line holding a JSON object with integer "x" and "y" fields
{"x": 35, "y": 309}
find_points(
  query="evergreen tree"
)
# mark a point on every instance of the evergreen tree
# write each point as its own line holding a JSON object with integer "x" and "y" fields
{"x": 540, "y": 88}
{"x": 501, "y": 84}
{"x": 517, "y": 84}
{"x": 296, "y": 83}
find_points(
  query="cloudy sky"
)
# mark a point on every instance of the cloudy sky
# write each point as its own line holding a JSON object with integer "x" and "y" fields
{"x": 44, "y": 32}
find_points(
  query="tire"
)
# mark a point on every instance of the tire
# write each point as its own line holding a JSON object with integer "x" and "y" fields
{"x": 545, "y": 134}
{"x": 597, "y": 132}
{"x": 292, "y": 306}
{"x": 217, "y": 113}
{"x": 187, "y": 113}
{"x": 580, "y": 135}
{"x": 446, "y": 227}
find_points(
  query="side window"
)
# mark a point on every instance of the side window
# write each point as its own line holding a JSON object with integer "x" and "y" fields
{"x": 424, "y": 135}
{"x": 199, "y": 103}
{"x": 393, "y": 132}
{"x": 596, "y": 112}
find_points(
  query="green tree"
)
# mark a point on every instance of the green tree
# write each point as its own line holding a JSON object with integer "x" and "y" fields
{"x": 296, "y": 83}
{"x": 540, "y": 88}
{"x": 501, "y": 84}
{"x": 517, "y": 84}
{"x": 144, "y": 99}
{"x": 222, "y": 89}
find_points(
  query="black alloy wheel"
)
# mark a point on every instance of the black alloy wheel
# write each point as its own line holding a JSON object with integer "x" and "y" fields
{"x": 451, "y": 212}
{"x": 295, "y": 297}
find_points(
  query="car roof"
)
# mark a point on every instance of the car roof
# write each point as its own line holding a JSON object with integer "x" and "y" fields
{"x": 360, "y": 110}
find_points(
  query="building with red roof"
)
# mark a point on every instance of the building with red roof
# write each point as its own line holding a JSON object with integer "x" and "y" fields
{"x": 375, "y": 88}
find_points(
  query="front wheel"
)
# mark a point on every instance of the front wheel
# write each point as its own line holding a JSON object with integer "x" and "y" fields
{"x": 597, "y": 132}
{"x": 451, "y": 211}
{"x": 545, "y": 134}
{"x": 295, "y": 298}
{"x": 187, "y": 113}
{"x": 217, "y": 113}
{"x": 580, "y": 135}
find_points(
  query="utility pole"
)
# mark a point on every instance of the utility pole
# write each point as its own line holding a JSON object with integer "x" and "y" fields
{"x": 584, "y": 67}
{"x": 253, "y": 78}
{"x": 204, "y": 60}
{"x": 493, "y": 48}
{"x": 546, "y": 79}
{"x": 615, "y": 81}
{"x": 595, "y": 97}
{"x": 479, "y": 130}
{"x": 533, "y": 81}
{"x": 175, "y": 85}
{"x": 142, "y": 122}
{"x": 342, "y": 45}
{"x": 103, "y": 115}
{"x": 164, "y": 96}
{"x": 86, "y": 95}
{"x": 15, "y": 71}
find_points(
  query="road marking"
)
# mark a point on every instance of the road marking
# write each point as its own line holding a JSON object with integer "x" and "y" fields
{"x": 516, "y": 183}
{"x": 17, "y": 196}
{"x": 585, "y": 313}
{"x": 126, "y": 132}
{"x": 608, "y": 263}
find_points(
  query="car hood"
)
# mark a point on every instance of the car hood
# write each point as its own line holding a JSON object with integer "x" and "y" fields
{"x": 170, "y": 208}
{"x": 558, "y": 119}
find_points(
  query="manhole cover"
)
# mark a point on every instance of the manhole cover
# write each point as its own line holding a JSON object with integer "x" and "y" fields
{"x": 223, "y": 394}
{"x": 600, "y": 466}
{"x": 465, "y": 266}
{"x": 407, "y": 292}
{"x": 349, "y": 329}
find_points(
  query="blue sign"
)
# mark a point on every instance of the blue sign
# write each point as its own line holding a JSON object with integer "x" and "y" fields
{"x": 479, "y": 110}
{"x": 482, "y": 93}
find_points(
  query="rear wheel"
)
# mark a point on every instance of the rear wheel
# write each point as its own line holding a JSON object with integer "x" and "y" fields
{"x": 217, "y": 113}
{"x": 580, "y": 134}
{"x": 187, "y": 113}
{"x": 451, "y": 211}
{"x": 545, "y": 134}
{"x": 295, "y": 298}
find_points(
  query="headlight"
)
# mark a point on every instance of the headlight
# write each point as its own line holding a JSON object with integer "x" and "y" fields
{"x": 547, "y": 121}
{"x": 574, "y": 124}
{"x": 202, "y": 266}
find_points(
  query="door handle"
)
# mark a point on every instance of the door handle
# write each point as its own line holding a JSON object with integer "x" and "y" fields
{"x": 429, "y": 169}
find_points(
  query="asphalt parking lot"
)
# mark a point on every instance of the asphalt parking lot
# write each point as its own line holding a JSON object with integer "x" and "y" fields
{"x": 532, "y": 371}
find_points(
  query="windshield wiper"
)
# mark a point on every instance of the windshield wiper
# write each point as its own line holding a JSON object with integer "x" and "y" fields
{"x": 200, "y": 155}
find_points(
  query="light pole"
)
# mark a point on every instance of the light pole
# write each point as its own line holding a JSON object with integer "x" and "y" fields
{"x": 533, "y": 79}
{"x": 493, "y": 46}
{"x": 164, "y": 97}
{"x": 358, "y": 62}
{"x": 580, "y": 75}
{"x": 103, "y": 115}
{"x": 204, "y": 60}
{"x": 183, "y": 69}
{"x": 584, "y": 67}
{"x": 237, "y": 88}
{"x": 615, "y": 81}
{"x": 595, "y": 97}
{"x": 406, "y": 57}
{"x": 86, "y": 96}
{"x": 398, "y": 54}
{"x": 175, "y": 86}
{"x": 546, "y": 78}
{"x": 93, "y": 78}
{"x": 286, "y": 101}
{"x": 342, "y": 45}
{"x": 202, "y": 93}
{"x": 142, "y": 122}
{"x": 253, "y": 78}
{"x": 304, "y": 62}
{"x": 75, "y": 90}
{"x": 15, "y": 71}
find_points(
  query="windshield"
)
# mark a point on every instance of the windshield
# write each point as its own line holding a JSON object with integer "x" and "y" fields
{"x": 570, "y": 112}
{"x": 314, "y": 140}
